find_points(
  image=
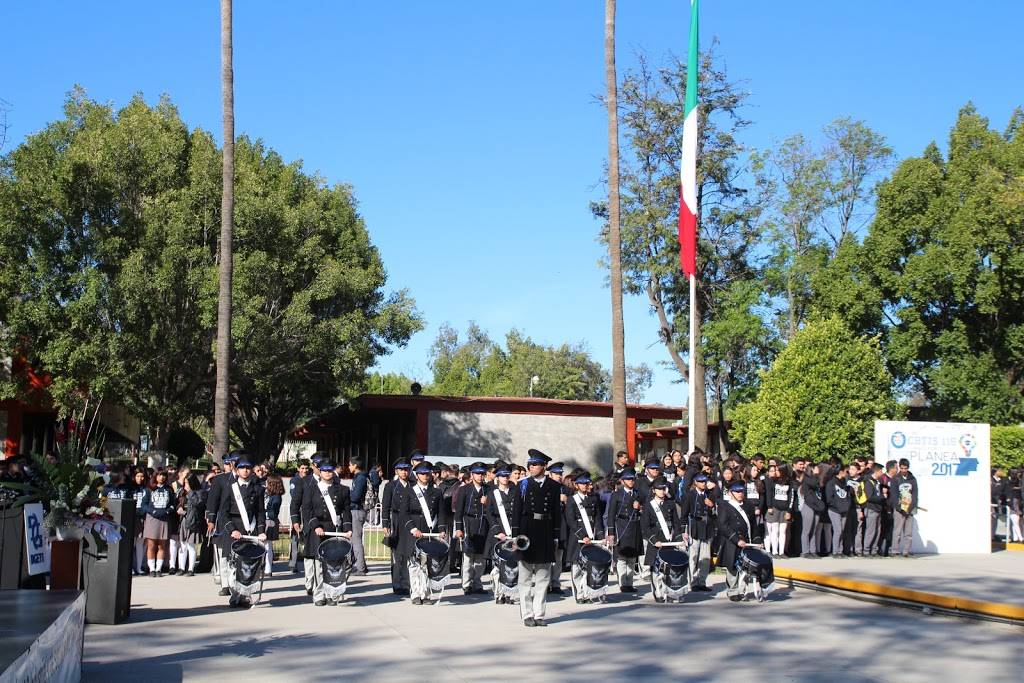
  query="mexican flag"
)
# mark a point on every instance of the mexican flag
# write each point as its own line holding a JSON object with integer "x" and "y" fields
{"x": 688, "y": 166}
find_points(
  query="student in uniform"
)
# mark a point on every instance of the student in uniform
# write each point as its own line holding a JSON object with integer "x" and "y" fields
{"x": 159, "y": 504}
{"x": 295, "y": 514}
{"x": 421, "y": 507}
{"x": 813, "y": 511}
{"x": 660, "y": 525}
{"x": 471, "y": 528}
{"x": 623, "y": 523}
{"x": 583, "y": 517}
{"x": 502, "y": 511}
{"x": 138, "y": 491}
{"x": 874, "y": 504}
{"x": 244, "y": 512}
{"x": 191, "y": 508}
{"x": 698, "y": 522}
{"x": 392, "y": 502}
{"x": 781, "y": 502}
{"x": 539, "y": 520}
{"x": 736, "y": 527}
{"x": 326, "y": 509}
{"x": 839, "y": 501}
{"x": 273, "y": 492}
{"x": 903, "y": 495}
{"x": 555, "y": 472}
{"x": 215, "y": 518}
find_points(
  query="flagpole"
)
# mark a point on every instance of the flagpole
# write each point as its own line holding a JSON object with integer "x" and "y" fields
{"x": 693, "y": 365}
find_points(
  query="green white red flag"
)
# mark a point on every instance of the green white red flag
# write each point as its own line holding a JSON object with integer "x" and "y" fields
{"x": 688, "y": 165}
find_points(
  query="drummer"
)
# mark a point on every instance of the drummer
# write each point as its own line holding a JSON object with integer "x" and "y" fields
{"x": 422, "y": 507}
{"x": 585, "y": 524}
{"x": 326, "y": 510}
{"x": 736, "y": 528}
{"x": 502, "y": 512}
{"x": 660, "y": 525}
{"x": 246, "y": 514}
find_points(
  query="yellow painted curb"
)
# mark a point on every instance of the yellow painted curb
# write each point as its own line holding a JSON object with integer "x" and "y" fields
{"x": 992, "y": 609}
{"x": 1019, "y": 547}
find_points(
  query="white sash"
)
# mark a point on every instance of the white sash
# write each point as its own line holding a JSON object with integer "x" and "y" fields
{"x": 661, "y": 519}
{"x": 330, "y": 508}
{"x": 424, "y": 507}
{"x": 501, "y": 512}
{"x": 241, "y": 507}
{"x": 743, "y": 513}
{"x": 584, "y": 516}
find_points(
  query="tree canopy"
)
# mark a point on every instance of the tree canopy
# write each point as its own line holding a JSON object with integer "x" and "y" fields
{"x": 108, "y": 236}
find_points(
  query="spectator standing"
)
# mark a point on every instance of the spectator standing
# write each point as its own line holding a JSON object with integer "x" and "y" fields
{"x": 274, "y": 493}
{"x": 192, "y": 528}
{"x": 903, "y": 496}
{"x": 358, "y": 499}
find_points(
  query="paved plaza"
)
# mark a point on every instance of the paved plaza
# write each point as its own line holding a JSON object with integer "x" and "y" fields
{"x": 181, "y": 630}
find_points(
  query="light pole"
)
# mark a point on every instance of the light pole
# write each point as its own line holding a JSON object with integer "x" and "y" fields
{"x": 533, "y": 380}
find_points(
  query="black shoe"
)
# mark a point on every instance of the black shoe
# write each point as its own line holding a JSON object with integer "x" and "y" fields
{"x": 701, "y": 589}
{"x": 309, "y": 591}
{"x": 557, "y": 590}
{"x": 190, "y": 573}
{"x": 417, "y": 601}
{"x": 627, "y": 589}
{"x": 224, "y": 591}
{"x": 320, "y": 603}
{"x": 153, "y": 574}
{"x": 540, "y": 622}
{"x": 244, "y": 603}
{"x": 736, "y": 598}
{"x": 531, "y": 622}
{"x": 160, "y": 574}
{"x": 658, "y": 600}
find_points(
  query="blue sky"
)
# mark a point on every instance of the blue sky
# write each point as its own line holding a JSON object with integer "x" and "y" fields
{"x": 470, "y": 131}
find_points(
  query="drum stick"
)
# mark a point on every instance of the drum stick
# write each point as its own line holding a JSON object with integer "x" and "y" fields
{"x": 337, "y": 533}
{"x": 673, "y": 544}
{"x": 254, "y": 539}
{"x": 431, "y": 535}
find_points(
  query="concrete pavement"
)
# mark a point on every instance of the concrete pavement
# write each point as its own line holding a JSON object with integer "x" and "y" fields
{"x": 181, "y": 630}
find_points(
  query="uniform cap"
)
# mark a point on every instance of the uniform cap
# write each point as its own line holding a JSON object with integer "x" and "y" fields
{"x": 659, "y": 483}
{"x": 243, "y": 463}
{"x": 628, "y": 474}
{"x": 424, "y": 468}
{"x": 326, "y": 467}
{"x": 536, "y": 457}
{"x": 583, "y": 479}
{"x": 738, "y": 486}
{"x": 402, "y": 465}
{"x": 701, "y": 477}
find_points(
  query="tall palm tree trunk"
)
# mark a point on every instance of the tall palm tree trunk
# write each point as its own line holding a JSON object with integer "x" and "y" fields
{"x": 227, "y": 210}
{"x": 614, "y": 239}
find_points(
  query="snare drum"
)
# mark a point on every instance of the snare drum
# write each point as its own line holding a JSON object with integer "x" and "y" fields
{"x": 674, "y": 567}
{"x": 432, "y": 554}
{"x": 248, "y": 558}
{"x": 596, "y": 562}
{"x": 757, "y": 563}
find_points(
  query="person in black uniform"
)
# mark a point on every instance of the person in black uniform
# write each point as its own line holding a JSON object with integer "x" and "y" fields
{"x": 502, "y": 511}
{"x": 471, "y": 528}
{"x": 697, "y": 516}
{"x": 621, "y": 465}
{"x": 737, "y": 529}
{"x": 652, "y": 470}
{"x": 419, "y": 511}
{"x": 660, "y": 525}
{"x": 325, "y": 508}
{"x": 392, "y": 502}
{"x": 623, "y": 524}
{"x": 295, "y": 513}
{"x": 540, "y": 521}
{"x": 555, "y": 472}
{"x": 215, "y": 519}
{"x": 245, "y": 515}
{"x": 583, "y": 518}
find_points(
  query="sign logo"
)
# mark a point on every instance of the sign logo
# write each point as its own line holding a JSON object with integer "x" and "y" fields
{"x": 898, "y": 439}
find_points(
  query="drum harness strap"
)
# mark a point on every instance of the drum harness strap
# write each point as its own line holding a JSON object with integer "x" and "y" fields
{"x": 743, "y": 513}
{"x": 661, "y": 519}
{"x": 248, "y": 523}
{"x": 584, "y": 516}
{"x": 501, "y": 512}
{"x": 424, "y": 507}
{"x": 330, "y": 508}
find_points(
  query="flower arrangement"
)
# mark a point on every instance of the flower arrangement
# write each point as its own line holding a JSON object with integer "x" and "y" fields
{"x": 68, "y": 483}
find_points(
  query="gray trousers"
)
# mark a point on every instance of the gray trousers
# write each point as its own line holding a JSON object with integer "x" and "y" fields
{"x": 472, "y": 571}
{"x": 358, "y": 519}
{"x": 625, "y": 567}
{"x": 732, "y": 581}
{"x": 700, "y": 562}
{"x": 866, "y": 542}
{"x": 293, "y": 551}
{"x": 902, "y": 533}
{"x": 533, "y": 589}
{"x": 810, "y": 530}
{"x": 838, "y": 526}
{"x": 309, "y": 570}
{"x": 555, "y": 573}
{"x": 224, "y": 568}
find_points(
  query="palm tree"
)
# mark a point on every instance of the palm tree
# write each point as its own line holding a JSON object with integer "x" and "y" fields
{"x": 614, "y": 239}
{"x": 227, "y": 210}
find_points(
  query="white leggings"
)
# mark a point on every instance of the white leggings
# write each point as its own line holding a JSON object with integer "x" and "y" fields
{"x": 1015, "y": 534}
{"x": 172, "y": 554}
{"x": 775, "y": 540}
{"x": 186, "y": 556}
{"x": 269, "y": 566}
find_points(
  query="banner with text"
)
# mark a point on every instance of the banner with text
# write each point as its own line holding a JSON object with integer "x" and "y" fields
{"x": 37, "y": 544}
{"x": 950, "y": 461}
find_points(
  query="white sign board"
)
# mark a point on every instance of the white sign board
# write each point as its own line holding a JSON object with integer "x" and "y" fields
{"x": 37, "y": 543}
{"x": 951, "y": 464}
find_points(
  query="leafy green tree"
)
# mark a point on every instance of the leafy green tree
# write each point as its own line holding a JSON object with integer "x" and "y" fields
{"x": 1008, "y": 446}
{"x": 109, "y": 224}
{"x": 480, "y": 367}
{"x": 388, "y": 383}
{"x": 652, "y": 103}
{"x": 820, "y": 397}
{"x": 943, "y": 268}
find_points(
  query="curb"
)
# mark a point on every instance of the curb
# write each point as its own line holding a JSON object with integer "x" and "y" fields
{"x": 1017, "y": 547}
{"x": 945, "y": 602}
